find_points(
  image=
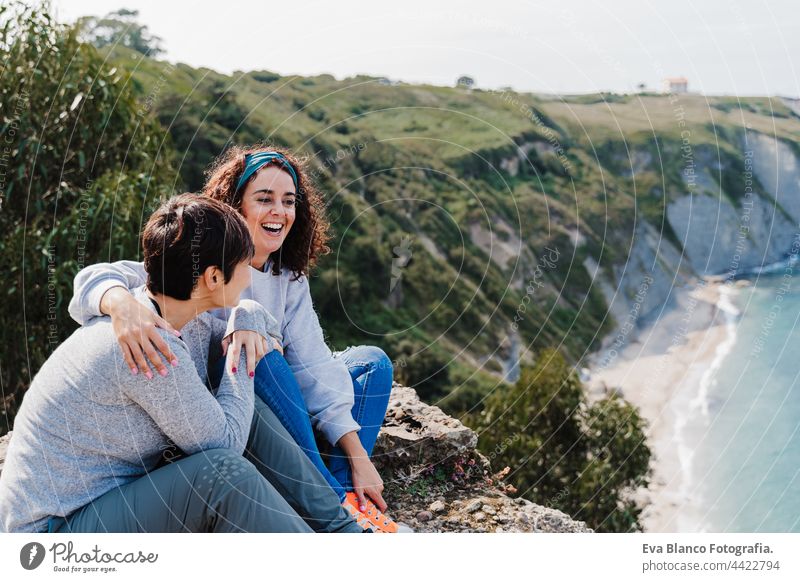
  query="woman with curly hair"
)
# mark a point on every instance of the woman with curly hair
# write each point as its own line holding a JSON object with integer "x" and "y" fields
{"x": 342, "y": 395}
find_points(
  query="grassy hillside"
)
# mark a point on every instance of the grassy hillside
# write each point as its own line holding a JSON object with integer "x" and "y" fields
{"x": 479, "y": 187}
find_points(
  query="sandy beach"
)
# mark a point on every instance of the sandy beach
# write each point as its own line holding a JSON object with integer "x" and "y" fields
{"x": 665, "y": 368}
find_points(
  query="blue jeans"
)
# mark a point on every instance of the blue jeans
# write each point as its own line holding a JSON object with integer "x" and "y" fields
{"x": 371, "y": 371}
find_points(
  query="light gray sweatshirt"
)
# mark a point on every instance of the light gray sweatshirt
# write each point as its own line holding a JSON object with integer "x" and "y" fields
{"x": 87, "y": 425}
{"x": 325, "y": 381}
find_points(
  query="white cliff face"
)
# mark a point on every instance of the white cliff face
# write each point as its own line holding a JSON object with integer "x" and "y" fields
{"x": 502, "y": 250}
{"x": 777, "y": 168}
{"x": 720, "y": 237}
{"x": 643, "y": 283}
{"x": 717, "y": 235}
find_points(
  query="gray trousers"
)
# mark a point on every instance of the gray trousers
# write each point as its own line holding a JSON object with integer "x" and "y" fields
{"x": 273, "y": 487}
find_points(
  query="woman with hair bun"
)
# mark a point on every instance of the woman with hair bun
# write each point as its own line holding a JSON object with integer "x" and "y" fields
{"x": 341, "y": 395}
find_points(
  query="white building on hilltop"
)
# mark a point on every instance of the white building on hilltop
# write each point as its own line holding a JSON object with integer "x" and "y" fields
{"x": 676, "y": 85}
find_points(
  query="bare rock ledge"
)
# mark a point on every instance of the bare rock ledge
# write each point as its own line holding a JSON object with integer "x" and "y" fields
{"x": 437, "y": 481}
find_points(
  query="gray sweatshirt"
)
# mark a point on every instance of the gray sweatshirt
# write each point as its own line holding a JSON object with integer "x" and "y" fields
{"x": 325, "y": 381}
{"x": 87, "y": 425}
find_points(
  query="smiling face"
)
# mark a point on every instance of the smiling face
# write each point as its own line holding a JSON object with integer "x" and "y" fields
{"x": 268, "y": 207}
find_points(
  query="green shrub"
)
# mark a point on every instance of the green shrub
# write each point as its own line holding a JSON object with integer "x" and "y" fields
{"x": 83, "y": 165}
{"x": 582, "y": 459}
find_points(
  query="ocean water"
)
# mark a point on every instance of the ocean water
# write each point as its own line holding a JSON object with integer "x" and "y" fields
{"x": 746, "y": 426}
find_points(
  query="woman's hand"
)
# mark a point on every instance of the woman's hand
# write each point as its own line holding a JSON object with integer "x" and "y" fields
{"x": 255, "y": 346}
{"x": 366, "y": 479}
{"x": 367, "y": 482}
{"x": 135, "y": 327}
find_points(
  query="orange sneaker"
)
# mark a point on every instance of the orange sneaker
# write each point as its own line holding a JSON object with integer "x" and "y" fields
{"x": 361, "y": 519}
{"x": 380, "y": 522}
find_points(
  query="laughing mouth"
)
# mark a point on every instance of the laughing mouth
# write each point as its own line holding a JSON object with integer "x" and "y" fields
{"x": 272, "y": 227}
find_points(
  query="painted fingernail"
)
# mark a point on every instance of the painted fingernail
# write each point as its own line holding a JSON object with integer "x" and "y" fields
{"x": 174, "y": 362}
{"x": 233, "y": 369}
{"x": 251, "y": 374}
{"x": 162, "y": 372}
{"x": 362, "y": 508}
{"x": 149, "y": 375}
{"x": 134, "y": 370}
{"x": 177, "y": 333}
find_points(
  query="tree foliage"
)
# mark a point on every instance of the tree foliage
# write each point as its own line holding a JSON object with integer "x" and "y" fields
{"x": 119, "y": 28}
{"x": 81, "y": 168}
{"x": 582, "y": 458}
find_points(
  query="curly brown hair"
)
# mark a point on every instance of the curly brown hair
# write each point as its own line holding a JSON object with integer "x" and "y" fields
{"x": 307, "y": 239}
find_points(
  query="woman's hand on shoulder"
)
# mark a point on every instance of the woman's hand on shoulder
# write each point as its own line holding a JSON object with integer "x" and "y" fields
{"x": 135, "y": 326}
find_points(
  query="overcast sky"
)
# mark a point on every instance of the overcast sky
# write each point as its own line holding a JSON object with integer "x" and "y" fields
{"x": 564, "y": 46}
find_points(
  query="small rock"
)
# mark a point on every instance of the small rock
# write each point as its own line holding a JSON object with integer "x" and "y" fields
{"x": 480, "y": 516}
{"x": 549, "y": 522}
{"x": 436, "y": 507}
{"x": 519, "y": 501}
{"x": 424, "y": 516}
{"x": 473, "y": 506}
{"x": 489, "y": 509}
{"x": 502, "y": 519}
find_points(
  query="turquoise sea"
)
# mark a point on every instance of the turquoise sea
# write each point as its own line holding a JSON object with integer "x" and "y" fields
{"x": 746, "y": 468}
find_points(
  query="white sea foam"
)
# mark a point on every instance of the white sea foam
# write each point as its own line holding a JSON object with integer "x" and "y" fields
{"x": 731, "y": 317}
{"x": 692, "y": 410}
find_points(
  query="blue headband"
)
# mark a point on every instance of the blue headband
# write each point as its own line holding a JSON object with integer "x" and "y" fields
{"x": 254, "y": 162}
